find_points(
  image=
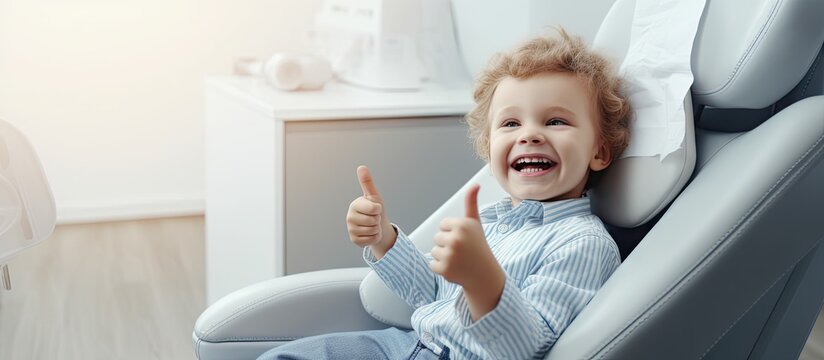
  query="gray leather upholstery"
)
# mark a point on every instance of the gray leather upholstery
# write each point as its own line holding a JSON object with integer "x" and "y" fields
{"x": 750, "y": 55}
{"x": 749, "y": 215}
{"x": 713, "y": 277}
{"x": 738, "y": 62}
{"x": 728, "y": 271}
{"x": 251, "y": 320}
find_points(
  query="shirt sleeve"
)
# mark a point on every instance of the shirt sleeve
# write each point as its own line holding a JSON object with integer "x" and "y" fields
{"x": 528, "y": 320}
{"x": 405, "y": 270}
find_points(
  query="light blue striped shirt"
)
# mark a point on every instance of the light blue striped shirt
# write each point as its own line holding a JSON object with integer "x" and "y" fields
{"x": 556, "y": 256}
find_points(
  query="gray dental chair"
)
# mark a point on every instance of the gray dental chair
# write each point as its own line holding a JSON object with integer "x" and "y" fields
{"x": 729, "y": 229}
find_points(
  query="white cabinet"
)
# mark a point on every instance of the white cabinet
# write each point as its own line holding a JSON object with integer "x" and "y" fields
{"x": 280, "y": 171}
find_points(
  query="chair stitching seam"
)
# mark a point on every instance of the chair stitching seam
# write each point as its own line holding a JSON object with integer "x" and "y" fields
{"x": 745, "y": 58}
{"x": 812, "y": 74}
{"x": 260, "y": 301}
{"x": 792, "y": 266}
{"x": 668, "y": 293}
{"x": 788, "y": 269}
{"x": 716, "y": 248}
{"x": 254, "y": 338}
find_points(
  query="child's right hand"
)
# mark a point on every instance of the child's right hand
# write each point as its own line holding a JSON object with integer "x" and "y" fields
{"x": 366, "y": 219}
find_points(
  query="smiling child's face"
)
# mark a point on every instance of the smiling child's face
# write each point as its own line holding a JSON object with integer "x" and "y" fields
{"x": 544, "y": 137}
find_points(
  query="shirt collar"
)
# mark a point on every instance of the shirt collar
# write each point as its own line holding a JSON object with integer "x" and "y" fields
{"x": 549, "y": 211}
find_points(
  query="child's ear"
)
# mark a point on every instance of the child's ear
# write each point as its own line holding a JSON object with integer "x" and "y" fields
{"x": 601, "y": 159}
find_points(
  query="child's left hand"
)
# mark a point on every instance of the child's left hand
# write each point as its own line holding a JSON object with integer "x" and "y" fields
{"x": 461, "y": 253}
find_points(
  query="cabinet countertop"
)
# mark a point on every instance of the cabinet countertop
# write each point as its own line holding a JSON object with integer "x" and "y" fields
{"x": 337, "y": 101}
{"x": 340, "y": 101}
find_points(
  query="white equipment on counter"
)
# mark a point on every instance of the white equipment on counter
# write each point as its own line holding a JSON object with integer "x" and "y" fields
{"x": 288, "y": 71}
{"x": 390, "y": 44}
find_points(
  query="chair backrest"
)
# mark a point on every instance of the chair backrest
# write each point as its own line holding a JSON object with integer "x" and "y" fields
{"x": 724, "y": 271}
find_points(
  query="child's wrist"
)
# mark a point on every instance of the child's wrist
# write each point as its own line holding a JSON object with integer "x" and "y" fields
{"x": 493, "y": 283}
{"x": 390, "y": 234}
{"x": 486, "y": 295}
{"x": 387, "y": 241}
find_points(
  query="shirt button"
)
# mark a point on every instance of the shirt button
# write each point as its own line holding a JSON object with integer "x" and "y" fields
{"x": 502, "y": 228}
{"x": 426, "y": 337}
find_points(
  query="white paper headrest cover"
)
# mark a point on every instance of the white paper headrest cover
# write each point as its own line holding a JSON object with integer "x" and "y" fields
{"x": 634, "y": 190}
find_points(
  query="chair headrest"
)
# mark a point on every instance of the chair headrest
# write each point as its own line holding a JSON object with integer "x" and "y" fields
{"x": 745, "y": 55}
{"x": 749, "y": 56}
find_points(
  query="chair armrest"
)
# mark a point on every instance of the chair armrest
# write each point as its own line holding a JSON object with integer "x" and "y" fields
{"x": 284, "y": 309}
{"x": 380, "y": 302}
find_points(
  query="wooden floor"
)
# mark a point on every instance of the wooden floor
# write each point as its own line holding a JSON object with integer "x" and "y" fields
{"x": 123, "y": 290}
{"x": 814, "y": 349}
{"x": 120, "y": 290}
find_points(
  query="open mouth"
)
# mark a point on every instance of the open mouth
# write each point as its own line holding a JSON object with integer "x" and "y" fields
{"x": 532, "y": 165}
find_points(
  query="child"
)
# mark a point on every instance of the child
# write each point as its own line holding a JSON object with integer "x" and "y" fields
{"x": 505, "y": 282}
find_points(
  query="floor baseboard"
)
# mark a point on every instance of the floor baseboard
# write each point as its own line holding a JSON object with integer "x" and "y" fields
{"x": 130, "y": 210}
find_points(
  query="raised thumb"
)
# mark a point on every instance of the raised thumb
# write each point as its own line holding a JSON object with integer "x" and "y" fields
{"x": 472, "y": 202}
{"x": 367, "y": 185}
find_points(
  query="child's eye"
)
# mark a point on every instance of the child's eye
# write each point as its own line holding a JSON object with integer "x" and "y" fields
{"x": 510, "y": 123}
{"x": 556, "y": 121}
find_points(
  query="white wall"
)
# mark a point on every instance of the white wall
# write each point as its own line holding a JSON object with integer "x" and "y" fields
{"x": 110, "y": 92}
{"x": 524, "y": 19}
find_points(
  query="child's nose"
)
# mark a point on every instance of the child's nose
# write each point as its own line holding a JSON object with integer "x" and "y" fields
{"x": 531, "y": 137}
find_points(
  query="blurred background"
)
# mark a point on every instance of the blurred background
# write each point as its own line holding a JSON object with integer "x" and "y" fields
{"x": 126, "y": 103}
{"x": 110, "y": 93}
{"x": 111, "y": 96}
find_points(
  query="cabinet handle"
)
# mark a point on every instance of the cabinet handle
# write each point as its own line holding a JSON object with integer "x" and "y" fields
{"x": 6, "y": 277}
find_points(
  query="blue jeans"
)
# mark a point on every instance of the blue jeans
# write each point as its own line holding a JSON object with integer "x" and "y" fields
{"x": 389, "y": 343}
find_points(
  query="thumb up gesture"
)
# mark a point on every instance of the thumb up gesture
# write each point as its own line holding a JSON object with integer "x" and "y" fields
{"x": 366, "y": 219}
{"x": 461, "y": 254}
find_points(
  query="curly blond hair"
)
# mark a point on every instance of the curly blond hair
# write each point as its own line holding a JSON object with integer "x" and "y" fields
{"x": 551, "y": 55}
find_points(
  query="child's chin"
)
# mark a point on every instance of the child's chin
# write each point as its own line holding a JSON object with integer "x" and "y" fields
{"x": 535, "y": 195}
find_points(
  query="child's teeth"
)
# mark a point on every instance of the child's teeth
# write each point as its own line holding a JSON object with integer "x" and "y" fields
{"x": 532, "y": 160}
